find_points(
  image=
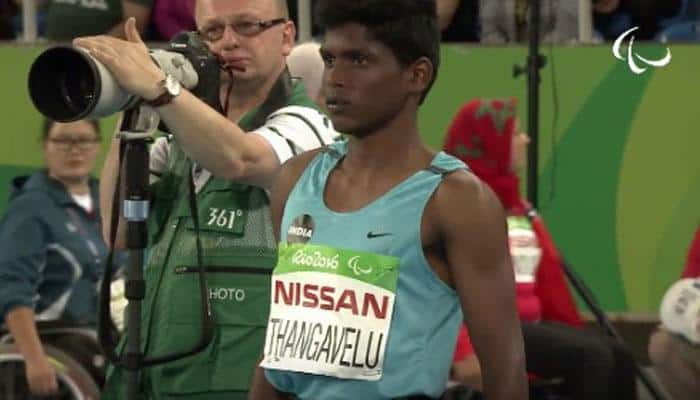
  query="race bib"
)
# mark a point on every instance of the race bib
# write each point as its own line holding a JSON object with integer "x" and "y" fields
{"x": 525, "y": 250}
{"x": 330, "y": 311}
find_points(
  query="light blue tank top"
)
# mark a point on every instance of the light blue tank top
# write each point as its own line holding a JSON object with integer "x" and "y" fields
{"x": 427, "y": 312}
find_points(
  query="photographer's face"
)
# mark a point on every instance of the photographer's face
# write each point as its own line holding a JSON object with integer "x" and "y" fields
{"x": 259, "y": 49}
{"x": 70, "y": 151}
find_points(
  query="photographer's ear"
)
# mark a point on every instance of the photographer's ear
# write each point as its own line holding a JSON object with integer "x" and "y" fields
{"x": 288, "y": 34}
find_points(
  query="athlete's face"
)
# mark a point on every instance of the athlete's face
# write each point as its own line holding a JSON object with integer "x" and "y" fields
{"x": 364, "y": 84}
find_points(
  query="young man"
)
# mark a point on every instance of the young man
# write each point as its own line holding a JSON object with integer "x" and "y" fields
{"x": 268, "y": 120}
{"x": 383, "y": 242}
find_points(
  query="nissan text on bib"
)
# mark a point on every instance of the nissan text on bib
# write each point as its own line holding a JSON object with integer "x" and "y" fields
{"x": 330, "y": 311}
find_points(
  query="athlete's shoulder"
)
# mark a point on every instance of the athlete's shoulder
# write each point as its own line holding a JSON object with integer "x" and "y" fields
{"x": 462, "y": 196}
{"x": 288, "y": 176}
{"x": 296, "y": 165}
{"x": 460, "y": 183}
{"x": 292, "y": 169}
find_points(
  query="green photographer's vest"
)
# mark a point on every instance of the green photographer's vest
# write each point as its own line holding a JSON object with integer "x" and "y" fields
{"x": 238, "y": 251}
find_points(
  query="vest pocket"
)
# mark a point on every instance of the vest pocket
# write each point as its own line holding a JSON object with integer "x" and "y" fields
{"x": 238, "y": 295}
{"x": 240, "y": 302}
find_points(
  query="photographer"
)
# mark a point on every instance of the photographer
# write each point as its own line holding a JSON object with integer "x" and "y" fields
{"x": 232, "y": 163}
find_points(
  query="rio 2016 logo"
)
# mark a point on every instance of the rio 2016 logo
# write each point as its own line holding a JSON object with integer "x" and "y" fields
{"x": 632, "y": 57}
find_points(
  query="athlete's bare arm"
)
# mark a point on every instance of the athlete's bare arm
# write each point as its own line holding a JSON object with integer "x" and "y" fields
{"x": 466, "y": 222}
{"x": 261, "y": 389}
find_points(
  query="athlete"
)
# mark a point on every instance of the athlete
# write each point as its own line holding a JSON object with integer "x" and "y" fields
{"x": 383, "y": 242}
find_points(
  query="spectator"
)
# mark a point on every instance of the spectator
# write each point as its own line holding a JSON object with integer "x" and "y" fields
{"x": 507, "y": 21}
{"x": 675, "y": 358}
{"x": 51, "y": 248}
{"x": 18, "y": 18}
{"x": 612, "y": 17}
{"x": 458, "y": 20}
{"x": 67, "y": 20}
{"x": 485, "y": 134}
{"x": 173, "y": 16}
{"x": 8, "y": 12}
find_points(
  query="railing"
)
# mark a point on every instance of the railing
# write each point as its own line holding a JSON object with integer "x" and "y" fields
{"x": 29, "y": 21}
{"x": 585, "y": 21}
{"x": 304, "y": 20}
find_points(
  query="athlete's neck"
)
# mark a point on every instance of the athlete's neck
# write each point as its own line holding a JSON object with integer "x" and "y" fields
{"x": 393, "y": 149}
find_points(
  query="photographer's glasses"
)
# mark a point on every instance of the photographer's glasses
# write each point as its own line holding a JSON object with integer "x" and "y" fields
{"x": 66, "y": 144}
{"x": 216, "y": 30}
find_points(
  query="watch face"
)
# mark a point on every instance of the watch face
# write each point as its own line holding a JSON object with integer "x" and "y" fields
{"x": 172, "y": 86}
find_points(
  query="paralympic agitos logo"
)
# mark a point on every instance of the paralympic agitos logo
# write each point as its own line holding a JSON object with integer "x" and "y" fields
{"x": 633, "y": 58}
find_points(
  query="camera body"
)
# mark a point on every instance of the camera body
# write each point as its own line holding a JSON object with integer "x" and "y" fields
{"x": 67, "y": 84}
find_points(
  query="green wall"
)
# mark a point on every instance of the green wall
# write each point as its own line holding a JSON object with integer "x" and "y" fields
{"x": 619, "y": 166}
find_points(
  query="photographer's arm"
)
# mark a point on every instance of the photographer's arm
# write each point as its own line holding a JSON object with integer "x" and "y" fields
{"x": 207, "y": 137}
{"x": 218, "y": 144}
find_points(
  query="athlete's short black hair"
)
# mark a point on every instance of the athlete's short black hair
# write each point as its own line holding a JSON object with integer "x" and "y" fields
{"x": 408, "y": 27}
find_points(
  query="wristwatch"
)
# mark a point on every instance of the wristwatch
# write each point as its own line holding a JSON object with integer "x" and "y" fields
{"x": 171, "y": 89}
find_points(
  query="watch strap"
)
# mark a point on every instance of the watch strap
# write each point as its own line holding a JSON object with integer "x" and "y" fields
{"x": 162, "y": 99}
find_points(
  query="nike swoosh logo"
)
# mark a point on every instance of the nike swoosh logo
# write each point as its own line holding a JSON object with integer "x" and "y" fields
{"x": 372, "y": 235}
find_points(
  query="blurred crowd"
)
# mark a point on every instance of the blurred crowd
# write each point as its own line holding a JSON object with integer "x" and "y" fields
{"x": 485, "y": 21}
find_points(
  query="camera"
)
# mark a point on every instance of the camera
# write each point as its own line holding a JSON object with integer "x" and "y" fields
{"x": 67, "y": 84}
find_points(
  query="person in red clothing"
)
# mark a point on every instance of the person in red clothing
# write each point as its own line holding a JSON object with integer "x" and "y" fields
{"x": 692, "y": 266}
{"x": 486, "y": 135}
{"x": 676, "y": 360}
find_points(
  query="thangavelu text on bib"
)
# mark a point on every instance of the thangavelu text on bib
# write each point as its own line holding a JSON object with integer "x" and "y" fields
{"x": 330, "y": 311}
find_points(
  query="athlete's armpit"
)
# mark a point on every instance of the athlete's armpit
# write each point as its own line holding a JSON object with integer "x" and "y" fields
{"x": 472, "y": 225}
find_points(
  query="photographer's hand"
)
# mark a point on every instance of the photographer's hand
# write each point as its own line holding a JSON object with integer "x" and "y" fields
{"x": 128, "y": 60}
